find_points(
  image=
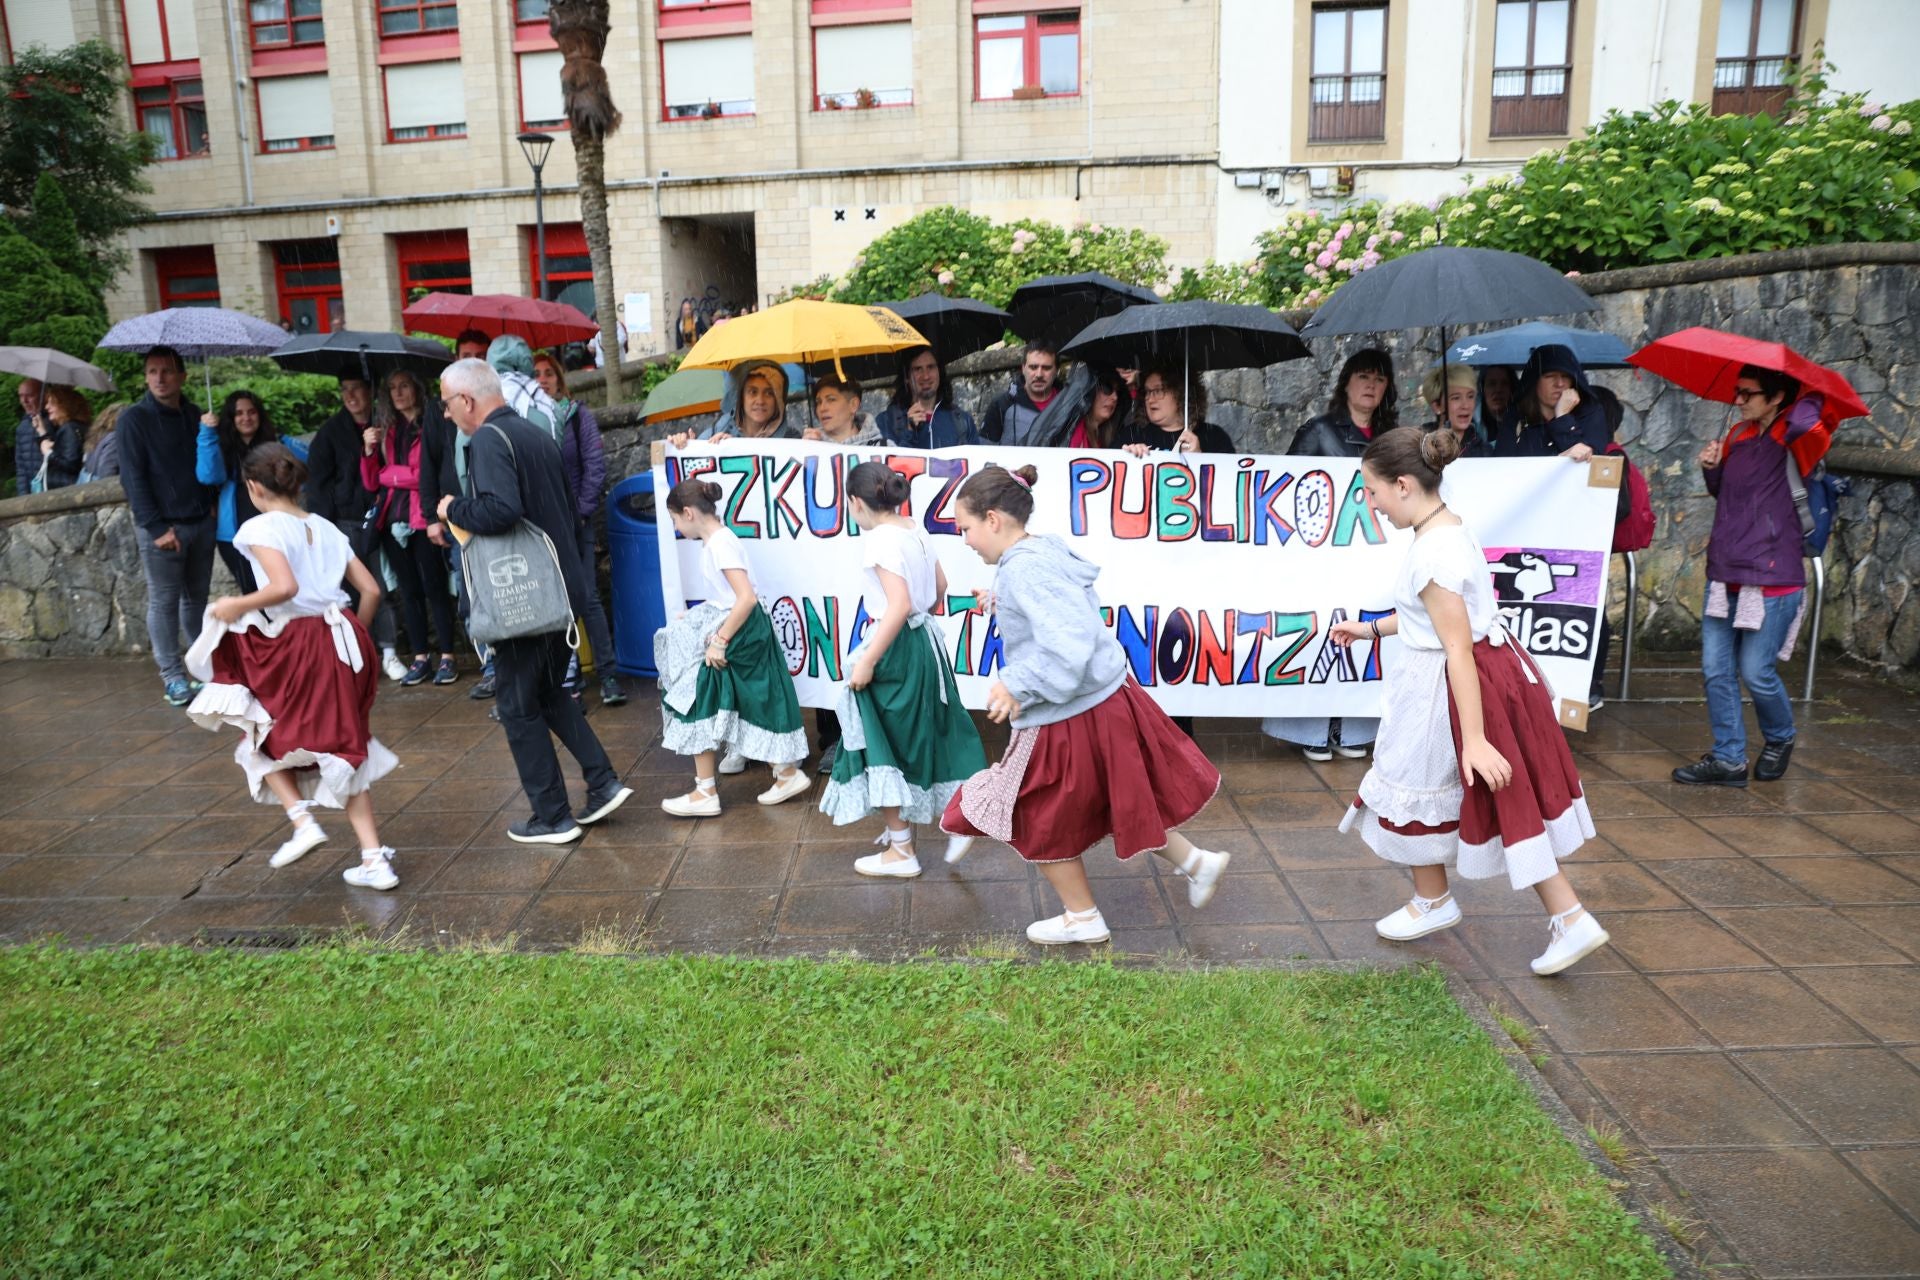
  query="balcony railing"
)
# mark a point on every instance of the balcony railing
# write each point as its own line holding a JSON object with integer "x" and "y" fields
{"x": 1347, "y": 108}
{"x": 1750, "y": 86}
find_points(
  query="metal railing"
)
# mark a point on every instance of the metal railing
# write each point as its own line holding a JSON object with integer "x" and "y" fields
{"x": 1633, "y": 611}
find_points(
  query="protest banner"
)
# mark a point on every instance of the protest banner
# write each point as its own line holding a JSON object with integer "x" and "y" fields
{"x": 1220, "y": 574}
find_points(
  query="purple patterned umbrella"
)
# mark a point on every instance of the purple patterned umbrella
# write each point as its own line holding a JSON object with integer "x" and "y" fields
{"x": 197, "y": 333}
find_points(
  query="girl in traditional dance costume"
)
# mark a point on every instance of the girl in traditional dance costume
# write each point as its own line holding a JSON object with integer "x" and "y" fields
{"x": 724, "y": 684}
{"x": 906, "y": 742}
{"x": 1471, "y": 769}
{"x": 294, "y": 670}
{"x": 1091, "y": 755}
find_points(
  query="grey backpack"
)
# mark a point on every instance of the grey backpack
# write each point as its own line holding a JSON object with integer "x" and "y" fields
{"x": 513, "y": 579}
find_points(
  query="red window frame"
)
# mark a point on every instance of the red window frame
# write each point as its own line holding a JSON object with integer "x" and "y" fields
{"x": 520, "y": 97}
{"x": 666, "y": 112}
{"x": 319, "y": 142}
{"x": 300, "y": 268}
{"x": 414, "y": 251}
{"x": 176, "y": 103}
{"x": 711, "y": 17}
{"x": 1029, "y": 37}
{"x": 288, "y": 22}
{"x": 564, "y": 240}
{"x": 384, "y": 9}
{"x": 174, "y": 268}
{"x": 426, "y": 132}
{"x": 829, "y": 14}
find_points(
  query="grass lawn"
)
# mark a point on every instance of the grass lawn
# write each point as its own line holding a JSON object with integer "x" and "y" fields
{"x": 346, "y": 1111}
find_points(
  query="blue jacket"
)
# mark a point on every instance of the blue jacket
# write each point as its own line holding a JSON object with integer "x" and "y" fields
{"x": 211, "y": 468}
{"x": 950, "y": 426}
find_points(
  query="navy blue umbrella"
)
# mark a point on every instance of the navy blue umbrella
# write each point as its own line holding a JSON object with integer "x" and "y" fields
{"x": 351, "y": 353}
{"x": 1511, "y": 347}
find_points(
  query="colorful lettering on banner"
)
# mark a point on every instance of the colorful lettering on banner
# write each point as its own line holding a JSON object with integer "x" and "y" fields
{"x": 1221, "y": 576}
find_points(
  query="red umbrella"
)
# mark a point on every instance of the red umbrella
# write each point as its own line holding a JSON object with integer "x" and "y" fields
{"x": 542, "y": 324}
{"x": 1707, "y": 362}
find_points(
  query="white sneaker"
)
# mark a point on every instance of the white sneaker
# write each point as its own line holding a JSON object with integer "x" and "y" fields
{"x": 1569, "y": 944}
{"x": 307, "y": 836}
{"x": 1203, "y": 871}
{"x": 957, "y": 847}
{"x": 1069, "y": 926}
{"x": 733, "y": 762}
{"x": 1320, "y": 754}
{"x": 796, "y": 783}
{"x": 395, "y": 669}
{"x": 375, "y": 873}
{"x": 701, "y": 802}
{"x": 1417, "y": 921}
{"x": 1346, "y": 752}
{"x": 877, "y": 864}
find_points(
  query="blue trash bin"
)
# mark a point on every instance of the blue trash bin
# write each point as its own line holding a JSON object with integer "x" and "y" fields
{"x": 638, "y": 607}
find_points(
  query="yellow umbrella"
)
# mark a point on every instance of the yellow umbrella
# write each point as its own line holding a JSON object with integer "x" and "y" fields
{"x": 803, "y": 331}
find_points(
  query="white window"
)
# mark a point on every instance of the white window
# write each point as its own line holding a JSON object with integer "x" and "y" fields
{"x": 426, "y": 100}
{"x": 296, "y": 113}
{"x": 540, "y": 98}
{"x": 43, "y": 22}
{"x": 709, "y": 76}
{"x": 875, "y": 56}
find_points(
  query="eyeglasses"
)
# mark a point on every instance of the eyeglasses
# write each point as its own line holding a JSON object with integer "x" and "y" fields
{"x": 1158, "y": 393}
{"x": 1743, "y": 394}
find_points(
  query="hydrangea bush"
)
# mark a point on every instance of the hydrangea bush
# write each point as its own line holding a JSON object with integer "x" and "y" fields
{"x": 1664, "y": 185}
{"x": 951, "y": 251}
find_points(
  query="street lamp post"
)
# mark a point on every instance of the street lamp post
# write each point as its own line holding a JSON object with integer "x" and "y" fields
{"x": 535, "y": 146}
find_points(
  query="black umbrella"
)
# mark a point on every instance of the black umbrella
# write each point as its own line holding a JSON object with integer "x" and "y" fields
{"x": 1447, "y": 286}
{"x": 355, "y": 353}
{"x": 1199, "y": 335}
{"x": 1056, "y": 308}
{"x": 955, "y": 327}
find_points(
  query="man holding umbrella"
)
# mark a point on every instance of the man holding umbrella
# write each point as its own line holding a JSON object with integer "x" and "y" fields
{"x": 172, "y": 512}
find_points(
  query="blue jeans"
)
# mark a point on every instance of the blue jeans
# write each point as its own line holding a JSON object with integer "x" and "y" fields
{"x": 177, "y": 583}
{"x": 1312, "y": 731}
{"x": 1730, "y": 658}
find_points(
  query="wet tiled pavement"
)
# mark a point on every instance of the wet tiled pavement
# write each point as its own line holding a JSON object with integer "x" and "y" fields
{"x": 1753, "y": 1031}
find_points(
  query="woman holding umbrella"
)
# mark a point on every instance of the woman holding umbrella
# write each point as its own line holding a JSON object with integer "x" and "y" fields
{"x": 1756, "y": 579}
{"x": 67, "y": 417}
{"x": 922, "y": 414}
{"x": 758, "y": 411}
{"x": 1173, "y": 415}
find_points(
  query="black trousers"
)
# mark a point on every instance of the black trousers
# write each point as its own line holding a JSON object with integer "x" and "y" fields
{"x": 421, "y": 570}
{"x": 533, "y": 705}
{"x": 239, "y": 566}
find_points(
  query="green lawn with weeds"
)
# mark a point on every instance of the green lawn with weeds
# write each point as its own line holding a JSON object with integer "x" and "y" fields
{"x": 345, "y": 1111}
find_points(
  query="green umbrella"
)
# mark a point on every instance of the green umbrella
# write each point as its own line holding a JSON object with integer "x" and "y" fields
{"x": 684, "y": 394}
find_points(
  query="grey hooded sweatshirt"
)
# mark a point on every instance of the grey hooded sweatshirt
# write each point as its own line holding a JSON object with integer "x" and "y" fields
{"x": 1060, "y": 657}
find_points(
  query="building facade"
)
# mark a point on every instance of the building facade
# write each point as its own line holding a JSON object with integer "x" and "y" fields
{"x": 1326, "y": 101}
{"x": 326, "y": 160}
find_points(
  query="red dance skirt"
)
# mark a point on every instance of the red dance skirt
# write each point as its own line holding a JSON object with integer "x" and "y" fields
{"x": 299, "y": 707}
{"x": 1524, "y": 829}
{"x": 1120, "y": 769}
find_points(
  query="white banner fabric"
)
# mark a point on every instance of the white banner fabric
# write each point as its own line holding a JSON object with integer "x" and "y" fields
{"x": 1220, "y": 574}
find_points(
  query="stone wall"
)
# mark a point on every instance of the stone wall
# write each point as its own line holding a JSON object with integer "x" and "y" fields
{"x": 1854, "y": 307}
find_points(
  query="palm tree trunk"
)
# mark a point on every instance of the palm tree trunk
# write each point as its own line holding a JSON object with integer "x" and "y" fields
{"x": 590, "y": 159}
{"x": 580, "y": 30}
